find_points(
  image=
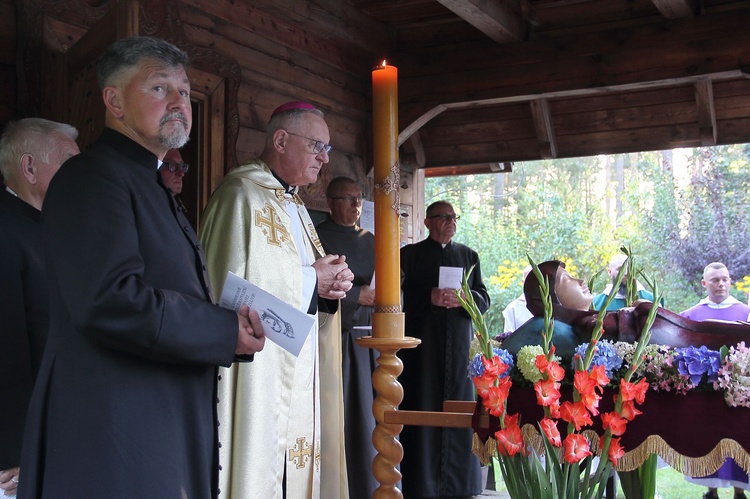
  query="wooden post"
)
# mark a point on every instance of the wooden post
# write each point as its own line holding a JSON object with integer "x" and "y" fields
{"x": 390, "y": 394}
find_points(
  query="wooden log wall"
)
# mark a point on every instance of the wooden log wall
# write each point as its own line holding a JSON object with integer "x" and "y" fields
{"x": 7, "y": 61}
{"x": 284, "y": 57}
{"x": 320, "y": 52}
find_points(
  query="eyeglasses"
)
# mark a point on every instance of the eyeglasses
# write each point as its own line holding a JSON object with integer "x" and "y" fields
{"x": 318, "y": 146}
{"x": 445, "y": 217}
{"x": 173, "y": 166}
{"x": 349, "y": 199}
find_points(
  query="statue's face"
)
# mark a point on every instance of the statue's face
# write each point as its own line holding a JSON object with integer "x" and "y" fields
{"x": 572, "y": 293}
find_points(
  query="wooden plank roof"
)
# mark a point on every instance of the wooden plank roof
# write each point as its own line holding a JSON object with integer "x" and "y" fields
{"x": 486, "y": 82}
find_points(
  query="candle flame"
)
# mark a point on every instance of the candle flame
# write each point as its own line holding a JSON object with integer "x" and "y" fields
{"x": 383, "y": 63}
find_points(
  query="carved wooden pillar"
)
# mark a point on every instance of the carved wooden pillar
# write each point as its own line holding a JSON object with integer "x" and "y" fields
{"x": 390, "y": 395}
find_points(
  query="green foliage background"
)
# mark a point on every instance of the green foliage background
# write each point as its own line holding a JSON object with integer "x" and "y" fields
{"x": 581, "y": 210}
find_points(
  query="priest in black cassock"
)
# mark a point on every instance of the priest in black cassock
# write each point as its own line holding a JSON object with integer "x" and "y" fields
{"x": 31, "y": 152}
{"x": 340, "y": 235}
{"x": 438, "y": 462}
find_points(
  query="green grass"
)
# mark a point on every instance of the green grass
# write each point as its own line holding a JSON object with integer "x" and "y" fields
{"x": 670, "y": 484}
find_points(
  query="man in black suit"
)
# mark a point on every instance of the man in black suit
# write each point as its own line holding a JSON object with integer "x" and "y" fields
{"x": 31, "y": 151}
{"x": 124, "y": 404}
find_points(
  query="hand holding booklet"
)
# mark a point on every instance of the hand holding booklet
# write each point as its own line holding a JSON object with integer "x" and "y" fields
{"x": 283, "y": 324}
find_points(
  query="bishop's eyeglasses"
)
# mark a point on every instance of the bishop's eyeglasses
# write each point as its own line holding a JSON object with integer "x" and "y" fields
{"x": 317, "y": 146}
{"x": 173, "y": 166}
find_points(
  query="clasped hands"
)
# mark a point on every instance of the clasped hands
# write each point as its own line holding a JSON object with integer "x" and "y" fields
{"x": 334, "y": 276}
{"x": 445, "y": 297}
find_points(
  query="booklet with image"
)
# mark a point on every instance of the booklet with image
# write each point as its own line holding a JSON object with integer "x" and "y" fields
{"x": 283, "y": 324}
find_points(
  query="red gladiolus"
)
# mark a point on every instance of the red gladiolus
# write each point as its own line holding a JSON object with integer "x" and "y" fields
{"x": 550, "y": 430}
{"x": 575, "y": 448}
{"x": 555, "y": 371}
{"x": 494, "y": 366}
{"x": 554, "y": 409}
{"x": 591, "y": 401}
{"x": 628, "y": 410}
{"x": 614, "y": 422}
{"x": 547, "y": 392}
{"x": 615, "y": 452}
{"x": 541, "y": 363}
{"x": 483, "y": 383}
{"x": 586, "y": 387}
{"x": 495, "y": 398}
{"x": 575, "y": 413}
{"x": 599, "y": 376}
{"x": 509, "y": 439}
{"x": 634, "y": 391}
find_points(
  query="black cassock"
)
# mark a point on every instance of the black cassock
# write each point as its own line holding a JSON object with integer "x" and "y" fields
{"x": 24, "y": 311}
{"x": 357, "y": 363}
{"x": 125, "y": 399}
{"x": 438, "y": 462}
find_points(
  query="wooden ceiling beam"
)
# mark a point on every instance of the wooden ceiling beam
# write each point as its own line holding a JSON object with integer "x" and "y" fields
{"x": 706, "y": 111}
{"x": 691, "y": 50}
{"x": 421, "y": 121}
{"x": 415, "y": 150}
{"x": 495, "y": 19}
{"x": 443, "y": 171}
{"x": 544, "y": 130}
{"x": 675, "y": 9}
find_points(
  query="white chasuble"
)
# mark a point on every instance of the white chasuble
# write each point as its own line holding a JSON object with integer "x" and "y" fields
{"x": 270, "y": 409}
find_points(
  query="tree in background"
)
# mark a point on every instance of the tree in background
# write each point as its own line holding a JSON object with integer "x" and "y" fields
{"x": 582, "y": 210}
{"x": 718, "y": 214}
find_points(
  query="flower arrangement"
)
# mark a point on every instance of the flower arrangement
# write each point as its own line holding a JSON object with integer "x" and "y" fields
{"x": 562, "y": 466}
{"x": 733, "y": 377}
{"x": 563, "y": 469}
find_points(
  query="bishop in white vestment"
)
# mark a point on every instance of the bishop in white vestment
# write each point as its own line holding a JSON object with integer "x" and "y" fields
{"x": 281, "y": 417}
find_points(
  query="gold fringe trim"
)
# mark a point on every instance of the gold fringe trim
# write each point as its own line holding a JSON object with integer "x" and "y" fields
{"x": 691, "y": 466}
{"x": 484, "y": 451}
{"x": 653, "y": 444}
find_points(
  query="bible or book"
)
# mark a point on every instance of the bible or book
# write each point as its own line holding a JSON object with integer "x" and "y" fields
{"x": 283, "y": 324}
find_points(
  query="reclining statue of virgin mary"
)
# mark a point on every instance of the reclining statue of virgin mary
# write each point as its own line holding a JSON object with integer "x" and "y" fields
{"x": 574, "y": 321}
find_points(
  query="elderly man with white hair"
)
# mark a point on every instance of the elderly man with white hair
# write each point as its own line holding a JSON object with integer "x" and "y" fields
{"x": 31, "y": 152}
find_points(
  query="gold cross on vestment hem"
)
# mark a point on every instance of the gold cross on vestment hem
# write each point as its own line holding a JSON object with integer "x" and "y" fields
{"x": 301, "y": 452}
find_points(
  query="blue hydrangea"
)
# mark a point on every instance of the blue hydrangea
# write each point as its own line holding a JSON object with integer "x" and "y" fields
{"x": 506, "y": 357}
{"x": 476, "y": 367}
{"x": 604, "y": 355}
{"x": 696, "y": 361}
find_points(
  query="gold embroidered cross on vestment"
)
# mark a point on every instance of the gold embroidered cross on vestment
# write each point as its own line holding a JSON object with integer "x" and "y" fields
{"x": 270, "y": 223}
{"x": 301, "y": 452}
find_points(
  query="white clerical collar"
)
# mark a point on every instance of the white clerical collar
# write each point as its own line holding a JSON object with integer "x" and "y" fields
{"x": 11, "y": 191}
{"x": 728, "y": 302}
{"x": 159, "y": 163}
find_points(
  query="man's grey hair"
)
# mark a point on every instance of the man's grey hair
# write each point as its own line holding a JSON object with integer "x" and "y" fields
{"x": 289, "y": 118}
{"x": 127, "y": 53}
{"x": 35, "y": 136}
